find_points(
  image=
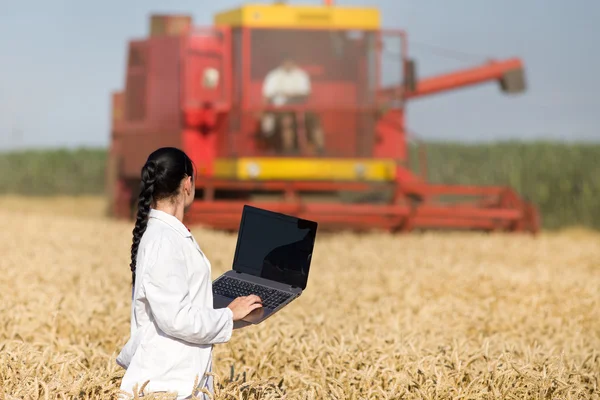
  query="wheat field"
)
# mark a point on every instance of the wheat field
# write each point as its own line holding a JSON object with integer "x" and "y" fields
{"x": 425, "y": 316}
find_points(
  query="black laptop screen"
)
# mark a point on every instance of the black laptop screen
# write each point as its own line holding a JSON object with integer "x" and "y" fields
{"x": 275, "y": 246}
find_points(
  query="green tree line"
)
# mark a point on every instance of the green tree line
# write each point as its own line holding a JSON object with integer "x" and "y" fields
{"x": 563, "y": 180}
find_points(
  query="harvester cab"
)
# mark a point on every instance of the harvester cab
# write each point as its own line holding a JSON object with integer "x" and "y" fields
{"x": 302, "y": 82}
{"x": 292, "y": 108}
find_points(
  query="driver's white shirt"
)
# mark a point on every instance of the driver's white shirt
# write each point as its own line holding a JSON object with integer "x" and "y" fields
{"x": 280, "y": 83}
{"x": 173, "y": 323}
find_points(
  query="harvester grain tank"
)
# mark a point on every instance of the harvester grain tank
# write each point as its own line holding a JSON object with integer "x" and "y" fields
{"x": 200, "y": 89}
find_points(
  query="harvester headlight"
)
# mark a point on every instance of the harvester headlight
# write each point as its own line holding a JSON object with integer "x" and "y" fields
{"x": 210, "y": 78}
{"x": 253, "y": 170}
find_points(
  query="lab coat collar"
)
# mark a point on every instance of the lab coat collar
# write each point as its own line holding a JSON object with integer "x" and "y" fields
{"x": 170, "y": 220}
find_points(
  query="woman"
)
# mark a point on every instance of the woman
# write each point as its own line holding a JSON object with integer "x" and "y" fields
{"x": 173, "y": 323}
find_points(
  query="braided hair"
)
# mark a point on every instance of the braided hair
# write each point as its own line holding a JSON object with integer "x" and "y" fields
{"x": 161, "y": 178}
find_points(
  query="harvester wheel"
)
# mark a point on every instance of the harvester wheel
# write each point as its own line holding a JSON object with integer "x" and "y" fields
{"x": 111, "y": 191}
{"x": 533, "y": 220}
{"x": 123, "y": 201}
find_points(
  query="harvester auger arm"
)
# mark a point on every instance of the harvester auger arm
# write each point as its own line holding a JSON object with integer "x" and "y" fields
{"x": 509, "y": 74}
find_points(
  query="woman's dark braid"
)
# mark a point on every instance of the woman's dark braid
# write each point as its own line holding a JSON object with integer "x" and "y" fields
{"x": 144, "y": 203}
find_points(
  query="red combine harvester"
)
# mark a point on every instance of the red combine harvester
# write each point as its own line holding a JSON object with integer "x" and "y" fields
{"x": 204, "y": 90}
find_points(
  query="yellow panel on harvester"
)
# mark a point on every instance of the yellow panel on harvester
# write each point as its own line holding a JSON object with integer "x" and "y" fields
{"x": 309, "y": 169}
{"x": 290, "y": 16}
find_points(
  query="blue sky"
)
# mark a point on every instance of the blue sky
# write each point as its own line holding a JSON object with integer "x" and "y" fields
{"x": 61, "y": 59}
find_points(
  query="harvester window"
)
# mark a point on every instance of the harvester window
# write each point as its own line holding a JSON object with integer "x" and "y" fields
{"x": 328, "y": 55}
{"x": 339, "y": 69}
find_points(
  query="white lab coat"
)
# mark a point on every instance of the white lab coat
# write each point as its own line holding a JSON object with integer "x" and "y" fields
{"x": 173, "y": 323}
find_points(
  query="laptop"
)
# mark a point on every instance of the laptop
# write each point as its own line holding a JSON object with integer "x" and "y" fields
{"x": 272, "y": 260}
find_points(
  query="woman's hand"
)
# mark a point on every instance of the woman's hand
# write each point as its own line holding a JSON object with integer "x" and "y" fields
{"x": 243, "y": 306}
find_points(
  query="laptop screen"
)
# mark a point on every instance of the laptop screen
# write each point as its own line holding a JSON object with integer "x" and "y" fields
{"x": 275, "y": 246}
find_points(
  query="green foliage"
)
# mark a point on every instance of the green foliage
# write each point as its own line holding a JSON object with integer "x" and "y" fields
{"x": 53, "y": 172}
{"x": 563, "y": 180}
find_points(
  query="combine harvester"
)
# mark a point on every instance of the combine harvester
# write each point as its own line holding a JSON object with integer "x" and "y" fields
{"x": 200, "y": 89}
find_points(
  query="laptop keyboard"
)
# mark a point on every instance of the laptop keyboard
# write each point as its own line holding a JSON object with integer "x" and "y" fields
{"x": 232, "y": 288}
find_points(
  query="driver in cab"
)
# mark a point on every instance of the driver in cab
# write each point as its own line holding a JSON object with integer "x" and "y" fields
{"x": 288, "y": 85}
